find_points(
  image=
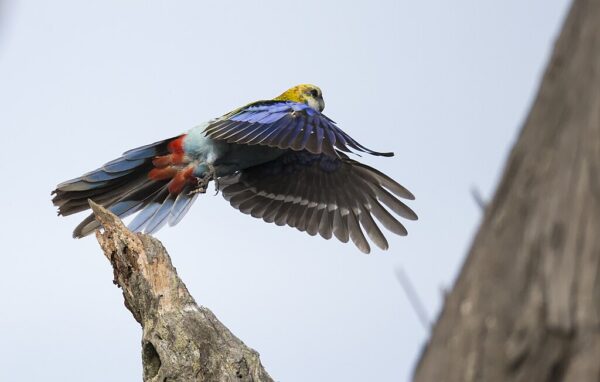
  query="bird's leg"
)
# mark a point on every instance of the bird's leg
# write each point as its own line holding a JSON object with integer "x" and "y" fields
{"x": 214, "y": 177}
{"x": 217, "y": 186}
{"x": 203, "y": 182}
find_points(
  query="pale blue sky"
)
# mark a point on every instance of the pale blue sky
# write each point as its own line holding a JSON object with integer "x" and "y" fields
{"x": 444, "y": 84}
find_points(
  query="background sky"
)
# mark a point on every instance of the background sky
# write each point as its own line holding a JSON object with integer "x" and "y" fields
{"x": 444, "y": 84}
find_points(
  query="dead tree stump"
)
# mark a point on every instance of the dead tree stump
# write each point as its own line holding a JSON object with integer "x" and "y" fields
{"x": 181, "y": 341}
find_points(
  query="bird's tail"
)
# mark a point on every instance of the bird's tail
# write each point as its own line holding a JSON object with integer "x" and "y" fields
{"x": 152, "y": 180}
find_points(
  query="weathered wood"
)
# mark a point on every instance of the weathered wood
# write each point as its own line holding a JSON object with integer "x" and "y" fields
{"x": 181, "y": 341}
{"x": 526, "y": 306}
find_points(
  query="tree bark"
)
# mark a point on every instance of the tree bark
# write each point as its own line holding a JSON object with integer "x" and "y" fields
{"x": 181, "y": 341}
{"x": 526, "y": 305}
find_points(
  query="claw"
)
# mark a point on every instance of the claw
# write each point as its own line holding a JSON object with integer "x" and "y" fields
{"x": 204, "y": 181}
{"x": 197, "y": 190}
{"x": 217, "y": 186}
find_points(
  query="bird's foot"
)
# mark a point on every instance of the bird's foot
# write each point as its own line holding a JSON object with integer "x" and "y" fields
{"x": 204, "y": 181}
{"x": 217, "y": 185}
{"x": 197, "y": 190}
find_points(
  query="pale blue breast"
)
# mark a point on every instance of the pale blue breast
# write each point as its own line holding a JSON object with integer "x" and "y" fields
{"x": 201, "y": 148}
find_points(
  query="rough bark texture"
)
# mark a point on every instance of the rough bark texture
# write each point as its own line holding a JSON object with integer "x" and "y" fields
{"x": 181, "y": 341}
{"x": 526, "y": 306}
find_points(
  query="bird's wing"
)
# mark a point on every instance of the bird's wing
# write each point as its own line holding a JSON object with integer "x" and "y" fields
{"x": 286, "y": 125}
{"x": 322, "y": 194}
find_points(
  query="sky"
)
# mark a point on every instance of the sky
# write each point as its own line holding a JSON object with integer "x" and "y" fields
{"x": 445, "y": 85}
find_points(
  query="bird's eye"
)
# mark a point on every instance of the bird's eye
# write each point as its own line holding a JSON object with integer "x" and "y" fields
{"x": 314, "y": 93}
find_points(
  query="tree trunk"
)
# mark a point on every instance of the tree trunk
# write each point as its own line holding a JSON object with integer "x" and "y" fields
{"x": 181, "y": 341}
{"x": 526, "y": 306}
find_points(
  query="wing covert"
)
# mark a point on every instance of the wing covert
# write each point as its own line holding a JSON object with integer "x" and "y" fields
{"x": 286, "y": 125}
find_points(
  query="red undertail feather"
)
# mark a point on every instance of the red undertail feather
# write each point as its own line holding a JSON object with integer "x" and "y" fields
{"x": 176, "y": 154}
{"x": 173, "y": 166}
{"x": 181, "y": 179}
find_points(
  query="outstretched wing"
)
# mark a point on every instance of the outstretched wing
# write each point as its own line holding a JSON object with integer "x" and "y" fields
{"x": 286, "y": 125}
{"x": 322, "y": 194}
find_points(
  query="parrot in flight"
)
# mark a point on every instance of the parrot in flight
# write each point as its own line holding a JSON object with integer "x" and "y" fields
{"x": 281, "y": 160}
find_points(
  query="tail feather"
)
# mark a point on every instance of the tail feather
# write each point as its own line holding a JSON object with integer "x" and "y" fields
{"x": 75, "y": 202}
{"x": 182, "y": 205}
{"x": 159, "y": 219}
{"x": 121, "y": 209}
{"x": 151, "y": 207}
{"x": 129, "y": 184}
{"x": 122, "y": 206}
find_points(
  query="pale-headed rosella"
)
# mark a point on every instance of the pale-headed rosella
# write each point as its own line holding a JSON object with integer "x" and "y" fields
{"x": 281, "y": 160}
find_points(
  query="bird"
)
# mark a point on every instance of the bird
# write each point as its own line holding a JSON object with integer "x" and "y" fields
{"x": 281, "y": 160}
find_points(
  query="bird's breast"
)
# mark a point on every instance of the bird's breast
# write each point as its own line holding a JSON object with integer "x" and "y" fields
{"x": 198, "y": 147}
{"x": 227, "y": 158}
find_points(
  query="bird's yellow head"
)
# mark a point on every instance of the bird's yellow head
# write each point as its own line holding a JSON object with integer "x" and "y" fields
{"x": 308, "y": 94}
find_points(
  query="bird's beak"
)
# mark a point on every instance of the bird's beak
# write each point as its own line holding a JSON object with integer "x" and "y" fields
{"x": 321, "y": 104}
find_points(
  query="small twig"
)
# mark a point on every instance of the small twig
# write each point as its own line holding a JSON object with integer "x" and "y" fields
{"x": 413, "y": 298}
{"x": 478, "y": 198}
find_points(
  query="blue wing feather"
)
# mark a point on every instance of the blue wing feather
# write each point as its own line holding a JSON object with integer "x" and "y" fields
{"x": 283, "y": 124}
{"x": 274, "y": 130}
{"x": 271, "y": 118}
{"x": 298, "y": 129}
{"x": 308, "y": 132}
